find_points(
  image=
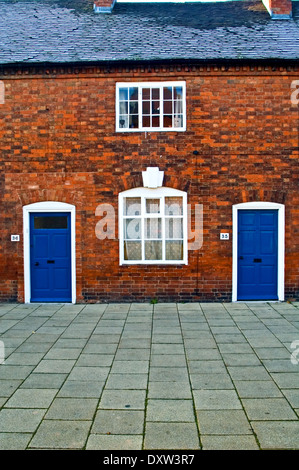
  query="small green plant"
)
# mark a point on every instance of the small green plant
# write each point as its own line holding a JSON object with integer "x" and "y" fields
{"x": 154, "y": 301}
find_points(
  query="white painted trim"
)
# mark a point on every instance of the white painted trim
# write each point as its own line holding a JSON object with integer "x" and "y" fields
{"x": 47, "y": 206}
{"x": 281, "y": 243}
{"x": 156, "y": 193}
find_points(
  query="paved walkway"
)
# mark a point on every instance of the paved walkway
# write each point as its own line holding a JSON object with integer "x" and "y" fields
{"x": 141, "y": 376}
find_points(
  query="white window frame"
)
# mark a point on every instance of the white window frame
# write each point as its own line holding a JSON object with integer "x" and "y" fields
{"x": 157, "y": 193}
{"x": 140, "y": 86}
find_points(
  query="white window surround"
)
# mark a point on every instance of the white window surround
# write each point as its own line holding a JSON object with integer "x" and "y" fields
{"x": 152, "y": 85}
{"x": 47, "y": 206}
{"x": 144, "y": 194}
{"x": 258, "y": 205}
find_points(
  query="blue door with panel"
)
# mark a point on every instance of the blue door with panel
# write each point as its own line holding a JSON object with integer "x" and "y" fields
{"x": 257, "y": 254}
{"x": 50, "y": 257}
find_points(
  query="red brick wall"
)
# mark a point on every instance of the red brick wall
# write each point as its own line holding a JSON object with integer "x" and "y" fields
{"x": 58, "y": 142}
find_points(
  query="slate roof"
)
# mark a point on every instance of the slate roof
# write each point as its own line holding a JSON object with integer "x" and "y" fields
{"x": 68, "y": 31}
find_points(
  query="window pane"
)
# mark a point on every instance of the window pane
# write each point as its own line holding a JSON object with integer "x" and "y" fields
{"x": 174, "y": 250}
{"x": 146, "y": 121}
{"x": 133, "y": 122}
{"x": 123, "y": 122}
{"x": 156, "y": 121}
{"x": 173, "y": 205}
{"x": 167, "y": 93}
{"x": 153, "y": 250}
{"x": 153, "y": 206}
{"x": 155, "y": 93}
{"x": 132, "y": 206}
{"x": 51, "y": 222}
{"x": 132, "y": 250}
{"x": 178, "y": 121}
{"x": 132, "y": 229}
{"x": 146, "y": 108}
{"x": 173, "y": 228}
{"x": 133, "y": 107}
{"x": 156, "y": 107}
{"x": 123, "y": 94}
{"x": 146, "y": 93}
{"x": 178, "y": 92}
{"x": 133, "y": 93}
{"x": 152, "y": 228}
{"x": 167, "y": 121}
{"x": 123, "y": 107}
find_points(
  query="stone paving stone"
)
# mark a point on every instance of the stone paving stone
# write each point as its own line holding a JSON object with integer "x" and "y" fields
{"x": 99, "y": 360}
{"x": 55, "y": 366}
{"x": 14, "y": 441}
{"x": 248, "y": 373}
{"x": 20, "y": 420}
{"x": 44, "y": 380}
{"x": 7, "y": 387}
{"x": 89, "y": 373}
{"x": 216, "y": 400}
{"x": 170, "y": 410}
{"x": 113, "y": 442}
{"x": 31, "y": 398}
{"x": 229, "y": 443}
{"x": 126, "y": 381}
{"x": 268, "y": 409}
{"x": 14, "y": 372}
{"x": 78, "y": 388}
{"x": 72, "y": 409}
{"x": 176, "y": 390}
{"x": 221, "y": 381}
{"x": 133, "y": 367}
{"x": 118, "y": 422}
{"x": 182, "y": 436}
{"x": 29, "y": 359}
{"x": 223, "y": 422}
{"x": 277, "y": 434}
{"x": 63, "y": 353}
{"x": 292, "y": 396}
{"x": 257, "y": 389}
{"x": 123, "y": 399}
{"x": 168, "y": 374}
{"x": 57, "y": 434}
{"x": 286, "y": 380}
{"x": 168, "y": 360}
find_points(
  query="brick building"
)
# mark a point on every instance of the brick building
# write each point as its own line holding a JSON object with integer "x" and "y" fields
{"x": 149, "y": 151}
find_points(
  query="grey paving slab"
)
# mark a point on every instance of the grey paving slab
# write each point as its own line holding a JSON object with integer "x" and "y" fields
{"x": 141, "y": 376}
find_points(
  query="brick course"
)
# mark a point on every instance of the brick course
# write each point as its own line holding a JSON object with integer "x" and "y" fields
{"x": 58, "y": 142}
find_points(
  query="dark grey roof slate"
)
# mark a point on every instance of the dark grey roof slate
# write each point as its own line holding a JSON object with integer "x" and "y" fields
{"x": 59, "y": 31}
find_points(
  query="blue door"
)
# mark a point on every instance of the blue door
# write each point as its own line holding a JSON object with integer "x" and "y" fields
{"x": 50, "y": 257}
{"x": 257, "y": 254}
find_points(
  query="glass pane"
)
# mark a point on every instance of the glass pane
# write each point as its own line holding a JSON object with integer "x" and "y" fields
{"x": 167, "y": 93}
{"x": 156, "y": 121}
{"x": 146, "y": 93}
{"x": 132, "y": 250}
{"x": 146, "y": 121}
{"x": 123, "y": 122}
{"x": 153, "y": 250}
{"x": 152, "y": 228}
{"x": 178, "y": 121}
{"x": 167, "y": 108}
{"x": 167, "y": 121}
{"x": 132, "y": 206}
{"x": 156, "y": 107}
{"x": 174, "y": 250}
{"x": 178, "y": 92}
{"x": 174, "y": 205}
{"x": 173, "y": 228}
{"x": 153, "y": 206}
{"x": 146, "y": 108}
{"x": 132, "y": 229}
{"x": 51, "y": 222}
{"x": 123, "y": 107}
{"x": 123, "y": 94}
{"x": 134, "y": 107}
{"x": 155, "y": 93}
{"x": 133, "y": 122}
{"x": 133, "y": 93}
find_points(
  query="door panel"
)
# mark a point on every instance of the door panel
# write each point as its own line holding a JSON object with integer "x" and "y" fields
{"x": 257, "y": 254}
{"x": 50, "y": 257}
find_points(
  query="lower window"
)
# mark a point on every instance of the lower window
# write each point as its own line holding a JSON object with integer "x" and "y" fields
{"x": 153, "y": 226}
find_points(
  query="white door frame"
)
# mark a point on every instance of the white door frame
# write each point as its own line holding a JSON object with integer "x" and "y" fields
{"x": 281, "y": 243}
{"x": 47, "y": 206}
